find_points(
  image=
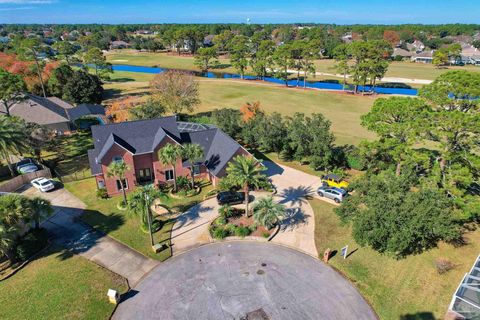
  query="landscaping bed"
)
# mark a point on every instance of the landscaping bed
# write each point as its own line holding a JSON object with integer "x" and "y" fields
{"x": 236, "y": 224}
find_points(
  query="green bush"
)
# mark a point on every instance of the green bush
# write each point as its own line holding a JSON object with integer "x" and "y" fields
{"x": 266, "y": 234}
{"x": 219, "y": 233}
{"x": 30, "y": 244}
{"x": 242, "y": 231}
{"x": 183, "y": 183}
{"x": 355, "y": 160}
{"x": 226, "y": 211}
{"x": 102, "y": 193}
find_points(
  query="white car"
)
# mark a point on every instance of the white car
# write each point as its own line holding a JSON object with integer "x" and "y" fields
{"x": 43, "y": 184}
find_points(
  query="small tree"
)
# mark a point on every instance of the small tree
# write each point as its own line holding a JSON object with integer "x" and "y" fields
{"x": 139, "y": 204}
{"x": 151, "y": 109}
{"x": 267, "y": 212}
{"x": 12, "y": 89}
{"x": 95, "y": 56}
{"x": 206, "y": 58}
{"x": 245, "y": 172}
{"x": 118, "y": 169}
{"x": 169, "y": 155}
{"x": 41, "y": 208}
{"x": 13, "y": 139}
{"x": 175, "y": 90}
{"x": 65, "y": 49}
{"x": 192, "y": 152}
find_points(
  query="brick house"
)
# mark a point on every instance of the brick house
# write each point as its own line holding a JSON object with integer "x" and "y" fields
{"x": 138, "y": 142}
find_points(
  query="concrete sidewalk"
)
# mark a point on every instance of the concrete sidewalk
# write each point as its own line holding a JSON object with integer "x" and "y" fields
{"x": 68, "y": 231}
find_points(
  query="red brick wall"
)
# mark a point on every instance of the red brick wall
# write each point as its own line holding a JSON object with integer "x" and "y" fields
{"x": 110, "y": 182}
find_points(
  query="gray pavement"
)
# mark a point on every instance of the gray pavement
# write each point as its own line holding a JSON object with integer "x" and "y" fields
{"x": 68, "y": 231}
{"x": 232, "y": 279}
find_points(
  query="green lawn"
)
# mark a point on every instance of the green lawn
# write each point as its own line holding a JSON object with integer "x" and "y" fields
{"x": 395, "y": 288}
{"x": 123, "y": 226}
{"x": 343, "y": 110}
{"x": 58, "y": 285}
{"x": 402, "y": 69}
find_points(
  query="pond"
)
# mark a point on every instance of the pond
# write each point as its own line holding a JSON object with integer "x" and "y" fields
{"x": 328, "y": 85}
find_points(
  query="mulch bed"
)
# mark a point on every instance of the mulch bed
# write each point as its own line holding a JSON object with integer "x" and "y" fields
{"x": 241, "y": 220}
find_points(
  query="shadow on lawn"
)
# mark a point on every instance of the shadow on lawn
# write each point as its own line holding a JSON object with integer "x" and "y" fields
{"x": 418, "y": 316}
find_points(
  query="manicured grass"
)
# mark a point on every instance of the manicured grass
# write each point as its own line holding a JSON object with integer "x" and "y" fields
{"x": 342, "y": 110}
{"x": 402, "y": 69}
{"x": 104, "y": 215}
{"x": 164, "y": 60}
{"x": 58, "y": 285}
{"x": 395, "y": 288}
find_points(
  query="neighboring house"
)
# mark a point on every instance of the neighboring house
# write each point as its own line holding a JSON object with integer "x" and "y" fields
{"x": 399, "y": 52}
{"x": 138, "y": 142}
{"x": 417, "y": 46}
{"x": 52, "y": 112}
{"x": 119, "y": 45}
{"x": 424, "y": 57}
{"x": 208, "y": 40}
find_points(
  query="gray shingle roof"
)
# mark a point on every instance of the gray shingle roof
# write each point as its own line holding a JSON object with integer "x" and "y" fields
{"x": 45, "y": 111}
{"x": 143, "y": 136}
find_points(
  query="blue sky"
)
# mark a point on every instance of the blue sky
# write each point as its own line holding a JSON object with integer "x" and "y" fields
{"x": 260, "y": 11}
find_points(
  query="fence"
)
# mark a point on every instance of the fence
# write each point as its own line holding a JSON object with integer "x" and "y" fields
{"x": 15, "y": 183}
{"x": 79, "y": 175}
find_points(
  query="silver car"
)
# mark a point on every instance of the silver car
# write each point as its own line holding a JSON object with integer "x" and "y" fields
{"x": 336, "y": 194}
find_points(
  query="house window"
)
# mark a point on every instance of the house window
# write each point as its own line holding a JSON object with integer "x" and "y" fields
{"x": 169, "y": 175}
{"x": 101, "y": 184}
{"x": 117, "y": 159}
{"x": 145, "y": 174}
{"x": 196, "y": 170}
{"x": 119, "y": 184}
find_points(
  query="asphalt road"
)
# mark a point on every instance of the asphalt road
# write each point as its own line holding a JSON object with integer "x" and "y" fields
{"x": 243, "y": 280}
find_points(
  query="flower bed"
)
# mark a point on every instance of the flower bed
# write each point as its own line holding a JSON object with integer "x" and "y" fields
{"x": 236, "y": 224}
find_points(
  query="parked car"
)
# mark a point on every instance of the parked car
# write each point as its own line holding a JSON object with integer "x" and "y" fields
{"x": 335, "y": 181}
{"x": 27, "y": 168}
{"x": 43, "y": 184}
{"x": 336, "y": 194}
{"x": 230, "y": 197}
{"x": 23, "y": 162}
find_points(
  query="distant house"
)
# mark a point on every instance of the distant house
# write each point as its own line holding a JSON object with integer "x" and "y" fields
{"x": 119, "y": 45}
{"x": 138, "y": 142}
{"x": 404, "y": 54}
{"x": 417, "y": 46}
{"x": 4, "y": 39}
{"x": 140, "y": 32}
{"x": 52, "y": 112}
{"x": 423, "y": 57}
{"x": 208, "y": 40}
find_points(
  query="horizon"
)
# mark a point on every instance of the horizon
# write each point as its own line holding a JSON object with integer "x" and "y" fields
{"x": 347, "y": 12}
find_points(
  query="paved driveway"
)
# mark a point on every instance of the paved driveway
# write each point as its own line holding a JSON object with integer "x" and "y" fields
{"x": 232, "y": 279}
{"x": 69, "y": 232}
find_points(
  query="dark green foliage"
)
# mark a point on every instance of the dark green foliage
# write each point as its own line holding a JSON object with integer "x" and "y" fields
{"x": 219, "y": 232}
{"x": 151, "y": 109}
{"x": 59, "y": 78}
{"x": 228, "y": 120}
{"x": 183, "y": 183}
{"x": 83, "y": 88}
{"x": 30, "y": 244}
{"x": 391, "y": 217}
{"x": 241, "y": 231}
{"x": 102, "y": 193}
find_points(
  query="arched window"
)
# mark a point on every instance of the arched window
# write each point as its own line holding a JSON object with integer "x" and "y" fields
{"x": 117, "y": 159}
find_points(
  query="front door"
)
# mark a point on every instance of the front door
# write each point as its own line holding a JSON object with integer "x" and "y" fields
{"x": 145, "y": 175}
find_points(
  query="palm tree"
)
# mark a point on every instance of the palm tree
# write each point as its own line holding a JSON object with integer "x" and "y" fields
{"x": 12, "y": 139}
{"x": 41, "y": 208}
{"x": 139, "y": 204}
{"x": 118, "y": 169}
{"x": 7, "y": 239}
{"x": 192, "y": 152}
{"x": 267, "y": 212}
{"x": 168, "y": 155}
{"x": 245, "y": 172}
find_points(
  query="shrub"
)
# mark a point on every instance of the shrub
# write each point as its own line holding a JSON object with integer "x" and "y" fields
{"x": 183, "y": 183}
{"x": 443, "y": 265}
{"x": 226, "y": 211}
{"x": 355, "y": 160}
{"x": 266, "y": 234}
{"x": 102, "y": 193}
{"x": 30, "y": 244}
{"x": 242, "y": 231}
{"x": 219, "y": 233}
